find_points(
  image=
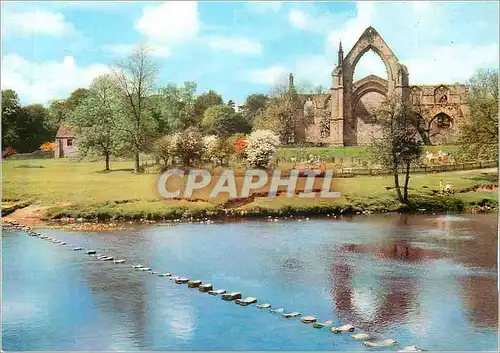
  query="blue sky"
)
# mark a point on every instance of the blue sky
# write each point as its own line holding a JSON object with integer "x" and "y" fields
{"x": 238, "y": 48}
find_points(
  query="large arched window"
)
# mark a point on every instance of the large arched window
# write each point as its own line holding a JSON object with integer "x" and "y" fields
{"x": 441, "y": 95}
{"x": 443, "y": 121}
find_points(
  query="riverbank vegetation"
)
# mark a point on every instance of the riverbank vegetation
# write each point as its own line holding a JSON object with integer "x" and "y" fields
{"x": 65, "y": 188}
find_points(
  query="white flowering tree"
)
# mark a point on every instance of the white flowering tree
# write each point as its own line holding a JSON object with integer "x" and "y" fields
{"x": 188, "y": 146}
{"x": 210, "y": 143}
{"x": 262, "y": 145}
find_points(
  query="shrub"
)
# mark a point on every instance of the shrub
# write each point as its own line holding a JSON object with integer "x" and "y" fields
{"x": 188, "y": 146}
{"x": 262, "y": 145}
{"x": 163, "y": 148}
{"x": 48, "y": 147}
{"x": 9, "y": 151}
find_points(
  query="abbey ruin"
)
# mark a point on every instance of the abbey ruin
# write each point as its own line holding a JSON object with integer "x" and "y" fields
{"x": 344, "y": 116}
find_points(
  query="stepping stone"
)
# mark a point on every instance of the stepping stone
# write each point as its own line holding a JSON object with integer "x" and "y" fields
{"x": 77, "y": 249}
{"x": 280, "y": 310}
{"x": 165, "y": 274}
{"x": 182, "y": 280}
{"x": 194, "y": 284}
{"x": 119, "y": 261}
{"x": 145, "y": 269}
{"x": 411, "y": 349}
{"x": 137, "y": 266}
{"x": 289, "y": 315}
{"x": 246, "y": 301}
{"x": 205, "y": 287}
{"x": 318, "y": 325}
{"x": 231, "y": 296}
{"x": 155, "y": 272}
{"x": 308, "y": 319}
{"x": 107, "y": 258}
{"x": 344, "y": 328}
{"x": 90, "y": 252}
{"x": 384, "y": 343}
{"x": 360, "y": 336}
{"x": 217, "y": 292}
{"x": 62, "y": 243}
{"x": 264, "y": 306}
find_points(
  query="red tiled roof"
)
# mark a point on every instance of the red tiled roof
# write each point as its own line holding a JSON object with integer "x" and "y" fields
{"x": 65, "y": 131}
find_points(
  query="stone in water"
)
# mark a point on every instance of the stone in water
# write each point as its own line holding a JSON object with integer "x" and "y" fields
{"x": 384, "y": 343}
{"x": 217, "y": 292}
{"x": 264, "y": 306}
{"x": 90, "y": 252}
{"x": 308, "y": 319}
{"x": 280, "y": 310}
{"x": 345, "y": 328}
{"x": 119, "y": 261}
{"x": 294, "y": 314}
{"x": 181, "y": 280}
{"x": 231, "y": 296}
{"x": 246, "y": 301}
{"x": 137, "y": 266}
{"x": 412, "y": 349}
{"x": 360, "y": 336}
{"x": 205, "y": 287}
{"x": 194, "y": 284}
{"x": 76, "y": 249}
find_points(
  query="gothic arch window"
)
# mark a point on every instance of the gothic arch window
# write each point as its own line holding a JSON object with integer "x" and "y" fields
{"x": 441, "y": 95}
{"x": 443, "y": 121}
{"x": 416, "y": 95}
{"x": 309, "y": 109}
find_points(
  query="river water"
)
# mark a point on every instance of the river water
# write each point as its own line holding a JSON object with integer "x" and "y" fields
{"x": 423, "y": 280}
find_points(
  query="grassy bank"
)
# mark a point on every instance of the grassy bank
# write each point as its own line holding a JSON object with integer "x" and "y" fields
{"x": 82, "y": 190}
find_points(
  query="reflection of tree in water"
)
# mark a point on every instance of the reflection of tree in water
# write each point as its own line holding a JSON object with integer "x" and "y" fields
{"x": 397, "y": 296}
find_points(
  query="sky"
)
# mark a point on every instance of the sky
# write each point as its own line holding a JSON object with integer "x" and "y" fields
{"x": 238, "y": 48}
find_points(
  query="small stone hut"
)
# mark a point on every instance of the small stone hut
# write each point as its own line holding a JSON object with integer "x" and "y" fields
{"x": 65, "y": 142}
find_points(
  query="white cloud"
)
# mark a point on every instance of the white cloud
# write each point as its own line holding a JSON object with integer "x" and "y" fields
{"x": 170, "y": 22}
{"x": 265, "y": 6}
{"x": 275, "y": 74}
{"x": 297, "y": 19}
{"x": 42, "y": 82}
{"x": 423, "y": 35}
{"x": 36, "y": 22}
{"x": 237, "y": 45}
{"x": 451, "y": 63}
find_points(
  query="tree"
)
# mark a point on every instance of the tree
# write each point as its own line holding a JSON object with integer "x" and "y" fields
{"x": 60, "y": 110}
{"x": 33, "y": 129}
{"x": 188, "y": 146}
{"x": 222, "y": 120}
{"x": 478, "y": 135}
{"x": 163, "y": 148}
{"x": 398, "y": 147}
{"x": 96, "y": 119}
{"x": 173, "y": 107}
{"x": 262, "y": 145}
{"x": 253, "y": 106}
{"x": 280, "y": 114}
{"x": 11, "y": 111}
{"x": 136, "y": 80}
{"x": 205, "y": 101}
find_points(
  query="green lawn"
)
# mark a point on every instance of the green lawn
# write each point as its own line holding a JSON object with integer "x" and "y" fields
{"x": 359, "y": 152}
{"x": 82, "y": 189}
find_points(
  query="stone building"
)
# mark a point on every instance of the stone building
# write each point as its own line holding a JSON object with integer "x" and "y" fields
{"x": 65, "y": 142}
{"x": 344, "y": 116}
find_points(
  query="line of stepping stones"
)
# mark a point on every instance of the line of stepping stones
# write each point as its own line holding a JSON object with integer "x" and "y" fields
{"x": 233, "y": 296}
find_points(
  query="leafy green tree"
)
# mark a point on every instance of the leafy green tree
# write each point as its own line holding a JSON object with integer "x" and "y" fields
{"x": 33, "y": 129}
{"x": 280, "y": 114}
{"x": 222, "y": 120}
{"x": 11, "y": 115}
{"x": 399, "y": 146}
{"x": 60, "y": 110}
{"x": 253, "y": 106}
{"x": 136, "y": 80}
{"x": 173, "y": 107}
{"x": 96, "y": 119}
{"x": 478, "y": 135}
{"x": 205, "y": 101}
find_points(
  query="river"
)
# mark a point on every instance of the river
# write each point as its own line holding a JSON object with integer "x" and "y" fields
{"x": 425, "y": 280}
